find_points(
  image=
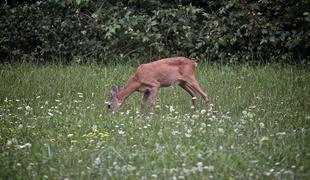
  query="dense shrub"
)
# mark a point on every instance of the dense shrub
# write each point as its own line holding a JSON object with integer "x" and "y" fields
{"x": 223, "y": 31}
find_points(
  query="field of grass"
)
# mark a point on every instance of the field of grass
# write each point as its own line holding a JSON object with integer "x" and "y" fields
{"x": 54, "y": 125}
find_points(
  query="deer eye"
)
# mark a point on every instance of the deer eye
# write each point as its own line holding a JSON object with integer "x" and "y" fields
{"x": 109, "y": 106}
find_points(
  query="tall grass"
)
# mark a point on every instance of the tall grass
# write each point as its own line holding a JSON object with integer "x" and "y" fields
{"x": 54, "y": 125}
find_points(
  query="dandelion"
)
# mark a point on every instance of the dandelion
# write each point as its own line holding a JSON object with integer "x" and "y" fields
{"x": 261, "y": 125}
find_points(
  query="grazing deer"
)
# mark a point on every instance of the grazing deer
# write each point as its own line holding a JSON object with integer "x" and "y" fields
{"x": 161, "y": 73}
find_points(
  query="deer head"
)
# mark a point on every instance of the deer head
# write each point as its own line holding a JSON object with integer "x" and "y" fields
{"x": 114, "y": 102}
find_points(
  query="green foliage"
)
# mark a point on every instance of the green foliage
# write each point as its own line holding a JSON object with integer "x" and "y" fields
{"x": 221, "y": 31}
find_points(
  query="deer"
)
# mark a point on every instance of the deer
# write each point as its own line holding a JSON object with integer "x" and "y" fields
{"x": 149, "y": 77}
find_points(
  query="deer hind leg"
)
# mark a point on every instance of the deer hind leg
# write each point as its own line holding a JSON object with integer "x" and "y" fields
{"x": 190, "y": 91}
{"x": 145, "y": 97}
{"x": 194, "y": 84}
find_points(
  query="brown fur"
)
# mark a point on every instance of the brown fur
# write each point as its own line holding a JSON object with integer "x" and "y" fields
{"x": 162, "y": 73}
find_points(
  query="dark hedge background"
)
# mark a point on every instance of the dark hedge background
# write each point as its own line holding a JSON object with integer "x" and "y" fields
{"x": 231, "y": 31}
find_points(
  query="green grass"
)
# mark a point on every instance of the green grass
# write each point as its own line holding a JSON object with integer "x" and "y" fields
{"x": 54, "y": 125}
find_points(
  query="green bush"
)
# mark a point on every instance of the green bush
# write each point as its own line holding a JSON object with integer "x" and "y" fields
{"x": 221, "y": 31}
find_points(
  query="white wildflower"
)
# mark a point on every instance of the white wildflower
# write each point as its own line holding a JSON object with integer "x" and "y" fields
{"x": 281, "y": 133}
{"x": 27, "y": 145}
{"x": 50, "y": 114}
{"x": 69, "y": 135}
{"x": 221, "y": 130}
{"x": 261, "y": 125}
{"x": 171, "y": 109}
{"x": 94, "y": 128}
{"x": 20, "y": 126}
{"x": 97, "y": 162}
{"x": 203, "y": 111}
{"x": 195, "y": 116}
{"x": 188, "y": 135}
{"x": 11, "y": 141}
{"x": 121, "y": 132}
{"x": 175, "y": 132}
{"x": 210, "y": 168}
{"x": 267, "y": 173}
{"x": 28, "y": 108}
{"x": 200, "y": 166}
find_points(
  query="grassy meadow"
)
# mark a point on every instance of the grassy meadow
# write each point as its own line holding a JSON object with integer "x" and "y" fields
{"x": 54, "y": 125}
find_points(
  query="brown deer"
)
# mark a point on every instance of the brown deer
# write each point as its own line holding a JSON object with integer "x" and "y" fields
{"x": 161, "y": 73}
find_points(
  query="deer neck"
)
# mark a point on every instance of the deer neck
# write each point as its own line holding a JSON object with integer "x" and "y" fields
{"x": 127, "y": 90}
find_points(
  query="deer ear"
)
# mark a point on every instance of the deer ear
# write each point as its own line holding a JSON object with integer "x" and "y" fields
{"x": 114, "y": 90}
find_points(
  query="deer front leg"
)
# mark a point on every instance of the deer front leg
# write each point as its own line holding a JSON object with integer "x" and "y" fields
{"x": 146, "y": 95}
{"x": 153, "y": 93}
{"x": 190, "y": 91}
{"x": 194, "y": 84}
